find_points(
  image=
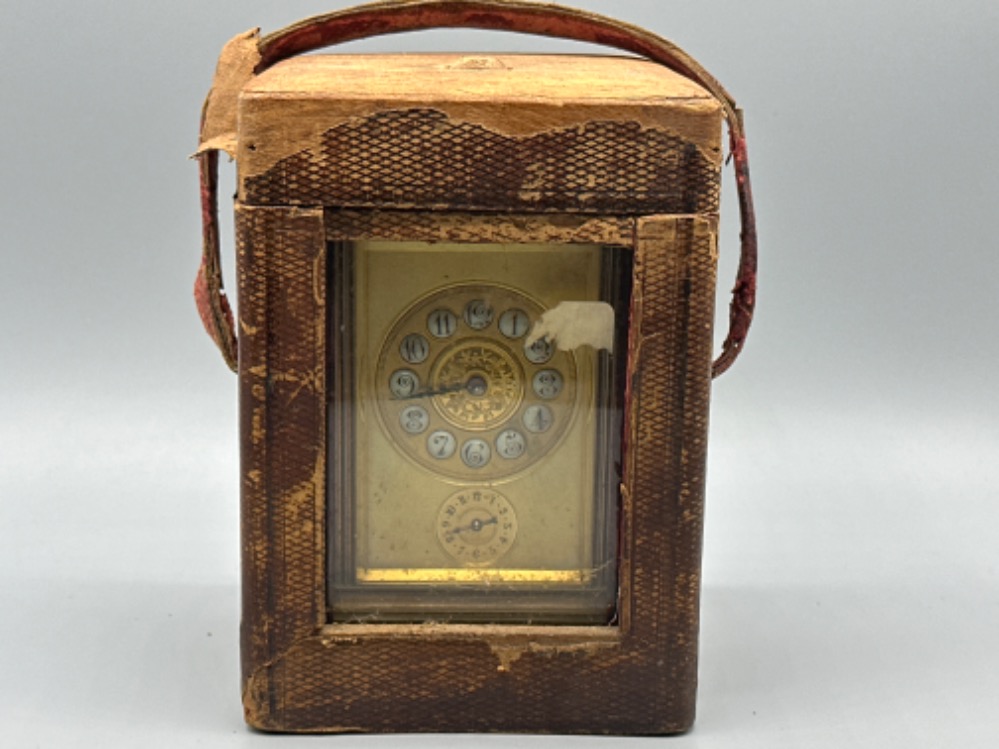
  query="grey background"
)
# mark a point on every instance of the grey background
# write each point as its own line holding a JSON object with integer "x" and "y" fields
{"x": 851, "y": 595}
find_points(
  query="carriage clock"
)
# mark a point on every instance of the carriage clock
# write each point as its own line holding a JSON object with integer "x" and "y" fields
{"x": 473, "y": 342}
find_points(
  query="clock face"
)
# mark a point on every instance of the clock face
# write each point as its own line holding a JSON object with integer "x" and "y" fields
{"x": 475, "y": 471}
{"x": 463, "y": 394}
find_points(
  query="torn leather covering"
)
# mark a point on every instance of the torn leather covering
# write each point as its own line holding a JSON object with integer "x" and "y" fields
{"x": 248, "y": 54}
{"x": 237, "y": 62}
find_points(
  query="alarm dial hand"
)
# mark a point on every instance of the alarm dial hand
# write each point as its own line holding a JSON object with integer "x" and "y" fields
{"x": 477, "y": 525}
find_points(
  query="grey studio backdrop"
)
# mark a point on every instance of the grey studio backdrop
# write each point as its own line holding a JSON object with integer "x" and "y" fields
{"x": 851, "y": 595}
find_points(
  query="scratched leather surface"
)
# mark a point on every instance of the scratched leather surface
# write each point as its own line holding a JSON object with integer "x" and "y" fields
{"x": 300, "y": 677}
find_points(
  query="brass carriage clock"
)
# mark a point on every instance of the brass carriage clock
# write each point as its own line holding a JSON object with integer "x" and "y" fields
{"x": 474, "y": 352}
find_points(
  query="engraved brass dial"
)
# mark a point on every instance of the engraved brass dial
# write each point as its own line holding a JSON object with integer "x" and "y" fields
{"x": 492, "y": 379}
{"x": 460, "y": 393}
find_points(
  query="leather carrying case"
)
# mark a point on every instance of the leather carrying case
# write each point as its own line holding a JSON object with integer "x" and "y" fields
{"x": 333, "y": 150}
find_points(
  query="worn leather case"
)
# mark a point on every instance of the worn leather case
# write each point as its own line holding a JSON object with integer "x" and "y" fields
{"x": 340, "y": 150}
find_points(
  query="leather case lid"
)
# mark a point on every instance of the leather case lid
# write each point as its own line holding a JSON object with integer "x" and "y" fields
{"x": 479, "y": 77}
{"x": 288, "y": 108}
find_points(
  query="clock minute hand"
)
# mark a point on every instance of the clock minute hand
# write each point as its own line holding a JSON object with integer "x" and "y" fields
{"x": 443, "y": 390}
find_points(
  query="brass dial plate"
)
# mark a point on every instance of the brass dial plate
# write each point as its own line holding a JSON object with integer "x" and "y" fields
{"x": 439, "y": 398}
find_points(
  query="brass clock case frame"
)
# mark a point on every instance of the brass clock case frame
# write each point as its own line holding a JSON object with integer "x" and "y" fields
{"x": 300, "y": 671}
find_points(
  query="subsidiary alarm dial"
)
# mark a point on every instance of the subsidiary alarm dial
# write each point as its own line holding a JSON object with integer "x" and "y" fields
{"x": 476, "y": 526}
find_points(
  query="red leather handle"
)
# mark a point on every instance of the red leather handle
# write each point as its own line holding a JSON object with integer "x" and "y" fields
{"x": 395, "y": 16}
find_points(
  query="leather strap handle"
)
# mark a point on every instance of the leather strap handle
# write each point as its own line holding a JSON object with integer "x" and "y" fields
{"x": 520, "y": 16}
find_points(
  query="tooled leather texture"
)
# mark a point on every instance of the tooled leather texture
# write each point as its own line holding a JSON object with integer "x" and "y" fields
{"x": 421, "y": 157}
{"x": 345, "y": 225}
{"x": 300, "y": 676}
